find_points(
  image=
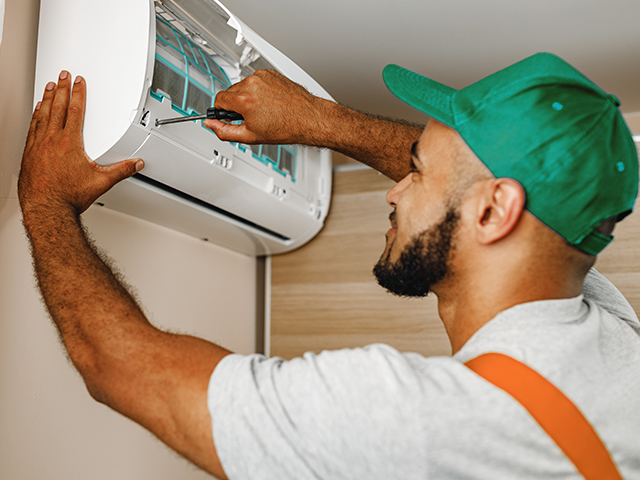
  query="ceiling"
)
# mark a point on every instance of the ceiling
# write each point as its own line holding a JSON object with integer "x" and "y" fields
{"x": 344, "y": 44}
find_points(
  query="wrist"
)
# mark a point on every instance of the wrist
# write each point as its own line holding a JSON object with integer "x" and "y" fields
{"x": 35, "y": 215}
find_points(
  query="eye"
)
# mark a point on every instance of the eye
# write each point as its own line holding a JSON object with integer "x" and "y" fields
{"x": 413, "y": 168}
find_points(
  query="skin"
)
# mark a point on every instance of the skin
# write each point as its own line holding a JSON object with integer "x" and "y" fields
{"x": 503, "y": 256}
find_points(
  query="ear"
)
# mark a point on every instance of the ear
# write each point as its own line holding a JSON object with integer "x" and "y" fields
{"x": 499, "y": 209}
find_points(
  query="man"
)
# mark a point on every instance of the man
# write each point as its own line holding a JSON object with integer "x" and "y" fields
{"x": 503, "y": 202}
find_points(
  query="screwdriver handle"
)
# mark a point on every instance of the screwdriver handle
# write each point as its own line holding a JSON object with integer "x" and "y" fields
{"x": 218, "y": 114}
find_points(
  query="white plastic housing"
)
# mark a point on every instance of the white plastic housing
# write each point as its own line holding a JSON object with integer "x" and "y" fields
{"x": 237, "y": 196}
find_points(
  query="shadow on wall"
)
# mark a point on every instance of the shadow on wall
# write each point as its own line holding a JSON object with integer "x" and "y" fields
{"x": 17, "y": 67}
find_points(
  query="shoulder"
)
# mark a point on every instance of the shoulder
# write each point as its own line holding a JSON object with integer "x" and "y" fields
{"x": 346, "y": 370}
{"x": 605, "y": 295}
{"x": 340, "y": 383}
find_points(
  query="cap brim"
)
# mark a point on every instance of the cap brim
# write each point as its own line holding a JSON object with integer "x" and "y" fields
{"x": 430, "y": 97}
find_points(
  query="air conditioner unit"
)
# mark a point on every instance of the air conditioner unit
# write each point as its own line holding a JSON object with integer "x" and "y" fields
{"x": 146, "y": 60}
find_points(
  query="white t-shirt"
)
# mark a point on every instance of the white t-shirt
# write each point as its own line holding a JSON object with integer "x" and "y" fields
{"x": 375, "y": 413}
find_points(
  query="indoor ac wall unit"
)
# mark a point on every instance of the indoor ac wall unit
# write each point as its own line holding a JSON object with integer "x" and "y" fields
{"x": 146, "y": 60}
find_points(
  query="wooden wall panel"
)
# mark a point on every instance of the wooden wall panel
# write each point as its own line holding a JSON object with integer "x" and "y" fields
{"x": 324, "y": 295}
{"x": 620, "y": 261}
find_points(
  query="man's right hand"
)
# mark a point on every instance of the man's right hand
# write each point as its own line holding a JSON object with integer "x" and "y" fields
{"x": 279, "y": 111}
{"x": 275, "y": 109}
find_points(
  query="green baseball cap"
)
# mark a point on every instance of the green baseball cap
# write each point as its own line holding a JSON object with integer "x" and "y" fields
{"x": 547, "y": 126}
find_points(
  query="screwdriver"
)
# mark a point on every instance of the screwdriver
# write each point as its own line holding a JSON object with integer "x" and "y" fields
{"x": 212, "y": 113}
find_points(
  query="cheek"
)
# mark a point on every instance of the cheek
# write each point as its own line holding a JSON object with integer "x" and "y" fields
{"x": 416, "y": 214}
{"x": 409, "y": 226}
{"x": 463, "y": 241}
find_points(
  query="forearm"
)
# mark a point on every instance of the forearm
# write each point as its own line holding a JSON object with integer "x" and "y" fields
{"x": 383, "y": 144}
{"x": 90, "y": 308}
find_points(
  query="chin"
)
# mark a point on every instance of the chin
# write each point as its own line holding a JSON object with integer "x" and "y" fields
{"x": 422, "y": 263}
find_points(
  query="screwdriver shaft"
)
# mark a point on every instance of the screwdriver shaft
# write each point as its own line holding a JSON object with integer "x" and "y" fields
{"x": 180, "y": 119}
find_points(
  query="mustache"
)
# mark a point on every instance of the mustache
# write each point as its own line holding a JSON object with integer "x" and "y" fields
{"x": 392, "y": 218}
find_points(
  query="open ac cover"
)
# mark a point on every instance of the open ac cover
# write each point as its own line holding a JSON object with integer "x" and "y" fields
{"x": 146, "y": 60}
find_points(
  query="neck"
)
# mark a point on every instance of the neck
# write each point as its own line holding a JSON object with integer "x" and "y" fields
{"x": 469, "y": 299}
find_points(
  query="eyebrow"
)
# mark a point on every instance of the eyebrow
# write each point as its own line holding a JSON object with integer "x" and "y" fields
{"x": 414, "y": 150}
{"x": 414, "y": 154}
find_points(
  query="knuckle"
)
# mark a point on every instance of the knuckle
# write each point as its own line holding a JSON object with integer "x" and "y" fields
{"x": 74, "y": 110}
{"x": 254, "y": 79}
{"x": 245, "y": 99}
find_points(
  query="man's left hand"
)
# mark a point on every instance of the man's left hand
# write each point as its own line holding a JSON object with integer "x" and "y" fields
{"x": 56, "y": 171}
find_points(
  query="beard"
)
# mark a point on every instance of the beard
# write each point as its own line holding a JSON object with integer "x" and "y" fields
{"x": 424, "y": 262}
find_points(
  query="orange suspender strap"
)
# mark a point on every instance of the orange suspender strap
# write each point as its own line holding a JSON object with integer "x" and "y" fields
{"x": 555, "y": 413}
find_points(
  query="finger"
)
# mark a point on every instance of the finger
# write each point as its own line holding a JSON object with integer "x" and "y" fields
{"x": 32, "y": 128}
{"x": 224, "y": 100}
{"x": 42, "y": 115}
{"x": 60, "y": 102}
{"x": 75, "y": 117}
{"x": 235, "y": 98}
{"x": 231, "y": 133}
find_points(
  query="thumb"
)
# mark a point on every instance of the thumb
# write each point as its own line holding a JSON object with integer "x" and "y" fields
{"x": 103, "y": 178}
{"x": 229, "y": 132}
{"x": 119, "y": 171}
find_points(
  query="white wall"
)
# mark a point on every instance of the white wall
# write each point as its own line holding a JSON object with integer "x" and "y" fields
{"x": 49, "y": 426}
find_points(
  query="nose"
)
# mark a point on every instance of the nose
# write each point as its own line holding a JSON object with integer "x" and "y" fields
{"x": 398, "y": 188}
